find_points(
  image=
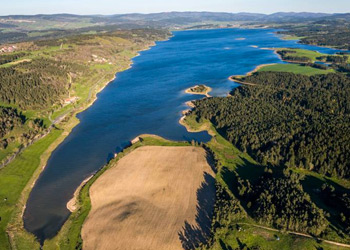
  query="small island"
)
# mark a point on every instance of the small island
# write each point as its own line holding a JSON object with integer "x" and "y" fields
{"x": 199, "y": 90}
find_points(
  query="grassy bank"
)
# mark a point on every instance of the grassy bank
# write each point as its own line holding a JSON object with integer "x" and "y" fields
{"x": 13, "y": 180}
{"x": 289, "y": 37}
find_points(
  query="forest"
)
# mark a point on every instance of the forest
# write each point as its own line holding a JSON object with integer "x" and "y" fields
{"x": 287, "y": 120}
{"x": 37, "y": 84}
{"x": 296, "y": 127}
{"x": 279, "y": 200}
{"x": 332, "y": 31}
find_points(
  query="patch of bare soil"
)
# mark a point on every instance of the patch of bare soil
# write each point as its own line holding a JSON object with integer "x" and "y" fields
{"x": 153, "y": 198}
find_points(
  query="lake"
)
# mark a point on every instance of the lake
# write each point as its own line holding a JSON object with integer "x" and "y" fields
{"x": 147, "y": 98}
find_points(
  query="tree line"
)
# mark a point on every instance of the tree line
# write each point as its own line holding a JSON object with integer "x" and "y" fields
{"x": 287, "y": 55}
{"x": 11, "y": 57}
{"x": 333, "y": 59}
{"x": 339, "y": 201}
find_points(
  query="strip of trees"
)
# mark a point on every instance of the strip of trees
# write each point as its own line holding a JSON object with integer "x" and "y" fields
{"x": 333, "y": 59}
{"x": 288, "y": 55}
{"x": 11, "y": 57}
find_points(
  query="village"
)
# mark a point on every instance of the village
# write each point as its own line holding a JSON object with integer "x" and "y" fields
{"x": 8, "y": 49}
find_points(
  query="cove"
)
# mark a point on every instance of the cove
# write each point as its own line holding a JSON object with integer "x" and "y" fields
{"x": 147, "y": 98}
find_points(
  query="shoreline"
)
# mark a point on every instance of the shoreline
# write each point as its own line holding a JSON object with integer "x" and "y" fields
{"x": 184, "y": 115}
{"x": 71, "y": 229}
{"x": 259, "y": 67}
{"x": 82, "y": 108}
{"x": 233, "y": 78}
{"x": 203, "y": 127}
{"x": 72, "y": 203}
{"x": 205, "y": 93}
{"x": 67, "y": 128}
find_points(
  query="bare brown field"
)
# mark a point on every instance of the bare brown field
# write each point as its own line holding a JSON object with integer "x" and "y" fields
{"x": 153, "y": 198}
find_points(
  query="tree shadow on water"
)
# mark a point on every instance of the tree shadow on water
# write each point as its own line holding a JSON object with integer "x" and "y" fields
{"x": 192, "y": 235}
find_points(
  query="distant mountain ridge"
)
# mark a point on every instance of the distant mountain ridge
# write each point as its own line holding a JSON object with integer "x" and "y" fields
{"x": 16, "y": 28}
{"x": 188, "y": 16}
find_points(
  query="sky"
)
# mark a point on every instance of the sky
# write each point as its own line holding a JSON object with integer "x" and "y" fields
{"x": 12, "y": 7}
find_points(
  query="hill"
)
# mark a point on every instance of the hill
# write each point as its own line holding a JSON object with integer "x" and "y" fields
{"x": 25, "y": 27}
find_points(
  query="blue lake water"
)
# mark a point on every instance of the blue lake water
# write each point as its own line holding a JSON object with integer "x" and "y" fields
{"x": 147, "y": 98}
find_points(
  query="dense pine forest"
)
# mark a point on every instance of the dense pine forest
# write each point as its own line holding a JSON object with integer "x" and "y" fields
{"x": 291, "y": 125}
{"x": 37, "y": 84}
{"x": 280, "y": 201}
{"x": 288, "y": 120}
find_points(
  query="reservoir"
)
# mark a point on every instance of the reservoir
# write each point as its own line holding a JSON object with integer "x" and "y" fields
{"x": 147, "y": 98}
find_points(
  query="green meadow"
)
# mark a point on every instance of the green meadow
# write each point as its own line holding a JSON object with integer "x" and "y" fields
{"x": 295, "y": 68}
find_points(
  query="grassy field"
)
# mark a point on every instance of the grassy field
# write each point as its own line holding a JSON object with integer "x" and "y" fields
{"x": 289, "y": 37}
{"x": 251, "y": 234}
{"x": 148, "y": 195}
{"x": 69, "y": 236}
{"x": 14, "y": 178}
{"x": 306, "y": 53}
{"x": 295, "y": 68}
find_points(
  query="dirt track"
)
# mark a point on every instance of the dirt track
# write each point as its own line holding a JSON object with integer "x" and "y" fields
{"x": 154, "y": 198}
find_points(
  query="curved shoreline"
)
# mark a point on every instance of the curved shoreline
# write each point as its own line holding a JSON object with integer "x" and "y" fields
{"x": 235, "y": 78}
{"x": 184, "y": 115}
{"x": 72, "y": 203}
{"x": 187, "y": 127}
{"x": 67, "y": 128}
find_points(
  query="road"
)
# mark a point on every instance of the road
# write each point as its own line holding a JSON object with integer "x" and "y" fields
{"x": 299, "y": 234}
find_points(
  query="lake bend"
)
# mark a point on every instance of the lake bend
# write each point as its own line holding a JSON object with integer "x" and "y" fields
{"x": 147, "y": 98}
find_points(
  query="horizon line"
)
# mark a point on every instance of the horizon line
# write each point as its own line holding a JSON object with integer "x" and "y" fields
{"x": 162, "y": 12}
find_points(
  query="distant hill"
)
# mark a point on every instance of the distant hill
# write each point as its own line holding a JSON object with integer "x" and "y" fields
{"x": 174, "y": 17}
{"x": 21, "y": 27}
